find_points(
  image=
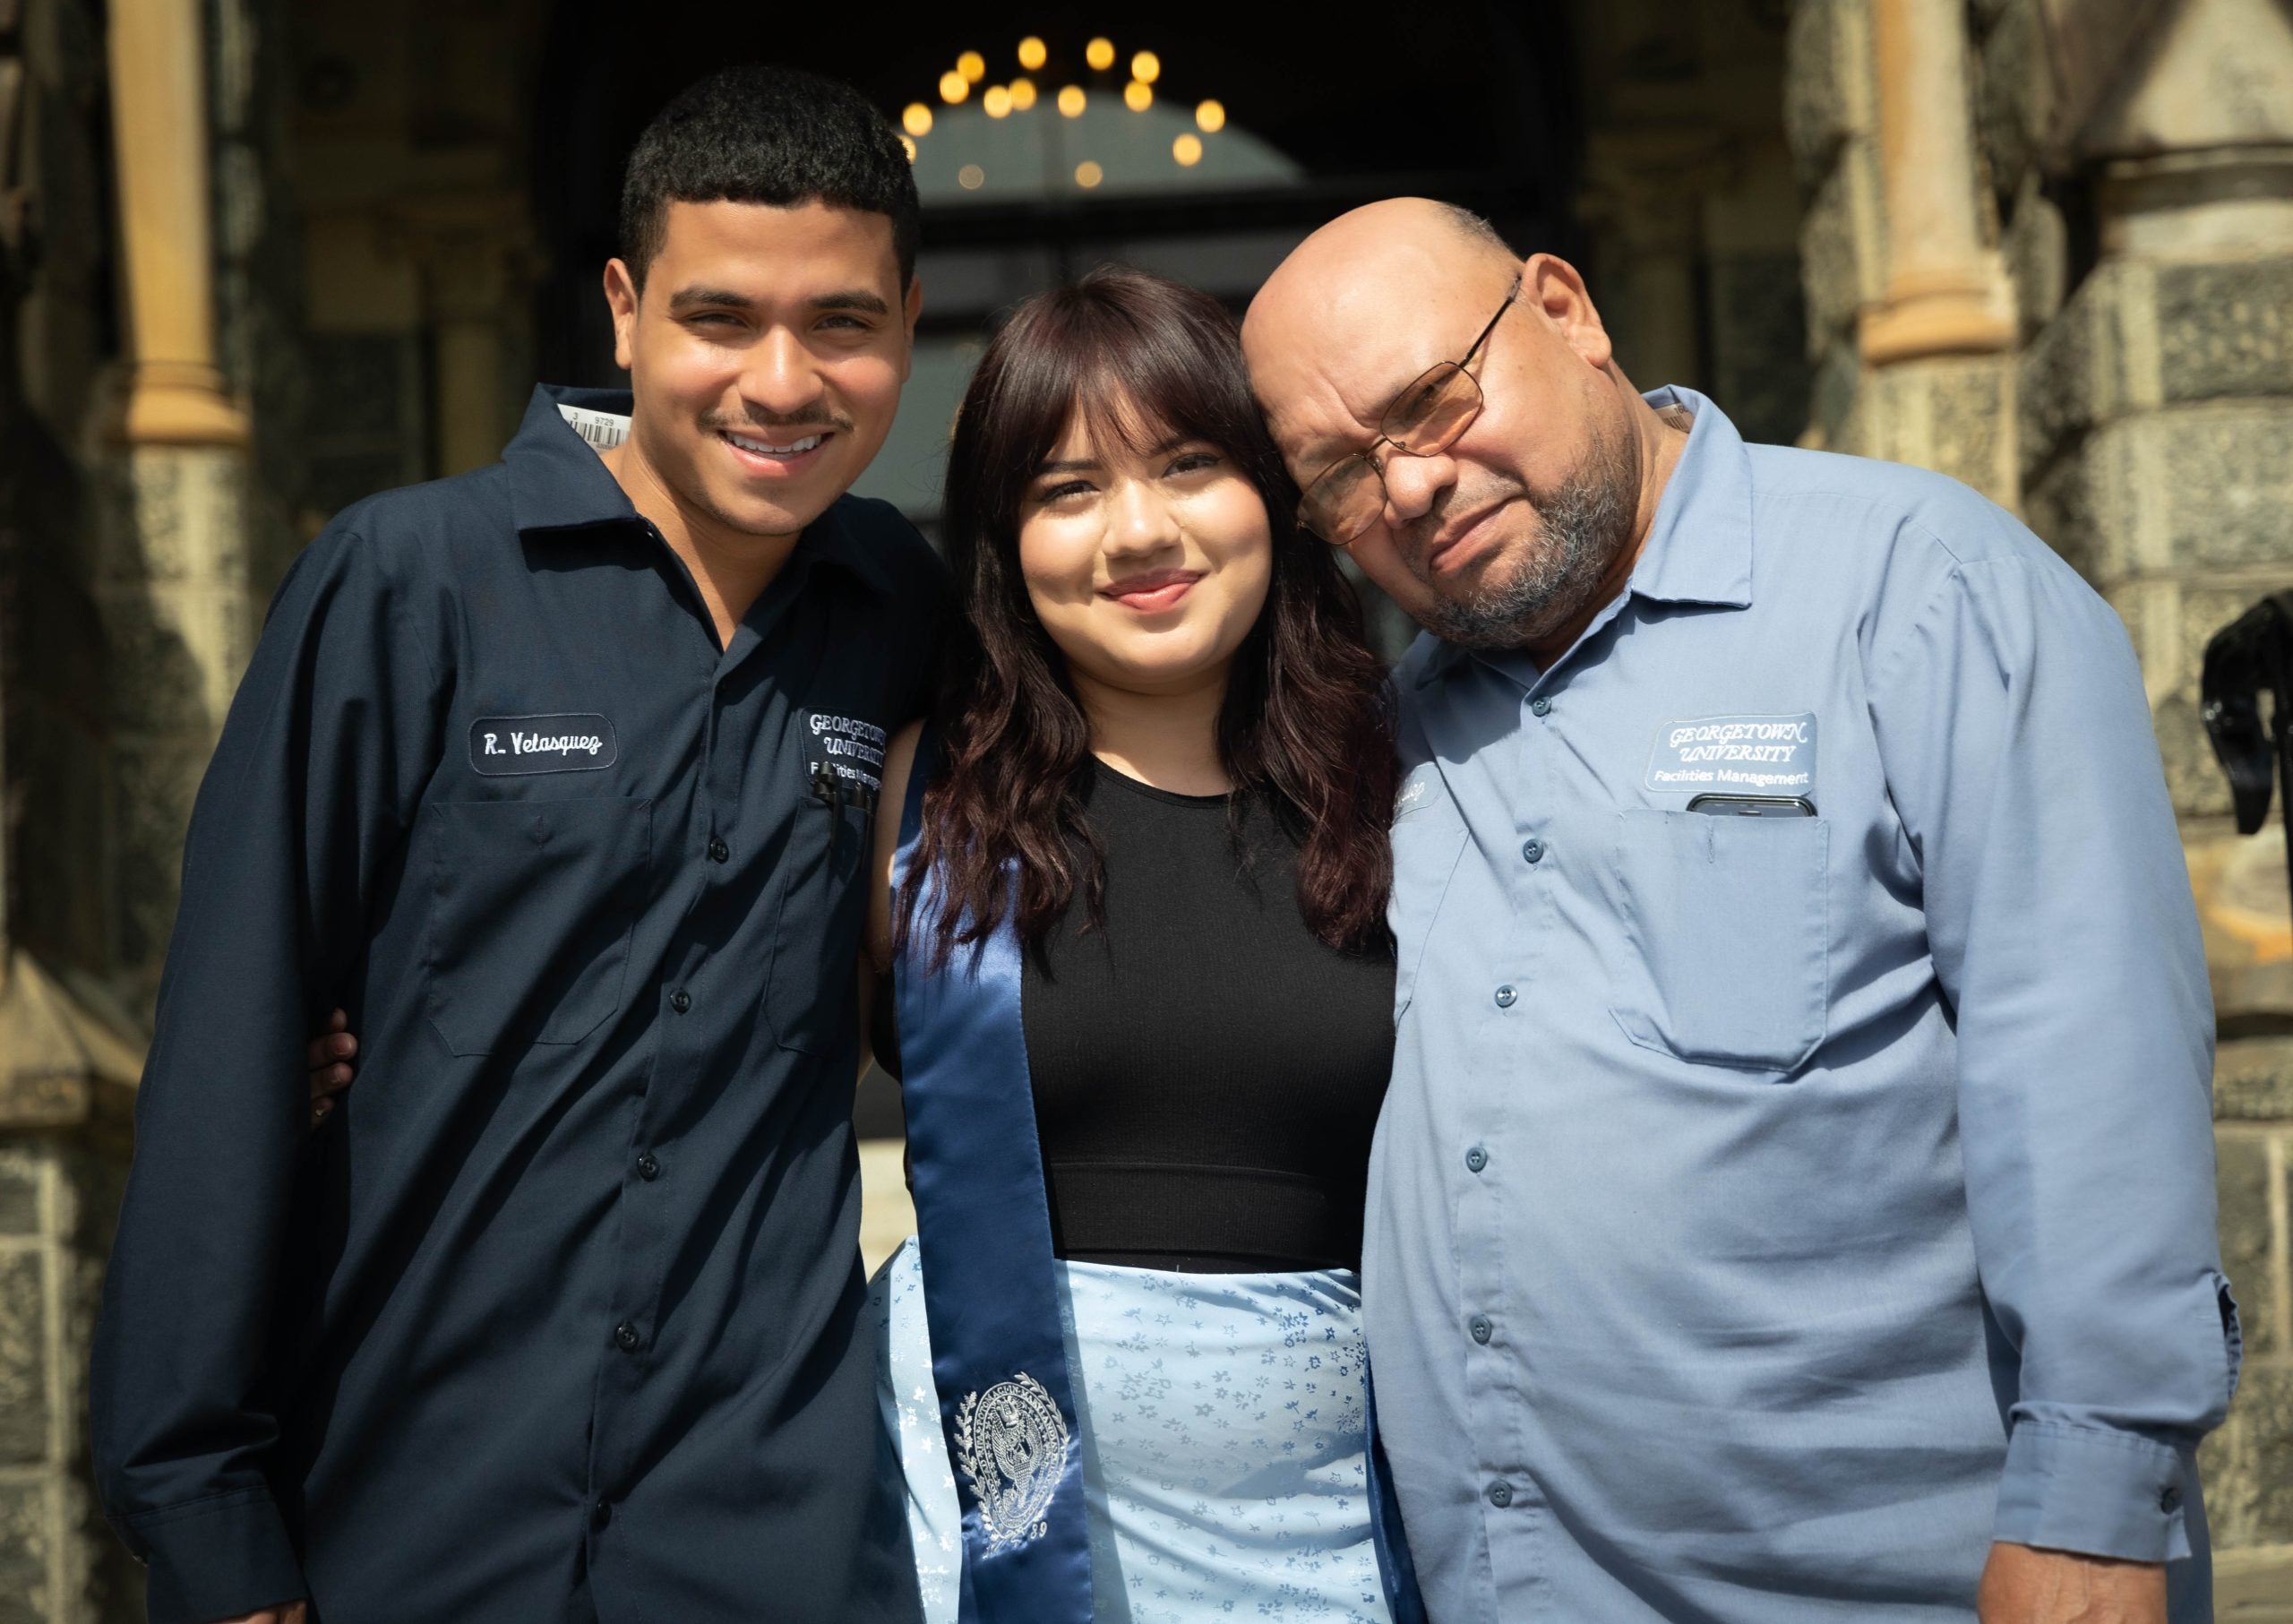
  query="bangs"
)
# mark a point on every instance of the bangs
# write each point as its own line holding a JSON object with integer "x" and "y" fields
{"x": 1137, "y": 403}
{"x": 1136, "y": 361}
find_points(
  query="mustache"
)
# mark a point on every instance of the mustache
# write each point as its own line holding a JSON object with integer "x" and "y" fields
{"x": 1419, "y": 534}
{"x": 803, "y": 423}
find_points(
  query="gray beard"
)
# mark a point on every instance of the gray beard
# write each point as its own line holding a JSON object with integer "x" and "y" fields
{"x": 1582, "y": 524}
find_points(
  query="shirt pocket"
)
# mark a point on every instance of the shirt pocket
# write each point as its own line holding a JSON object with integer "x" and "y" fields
{"x": 1727, "y": 936}
{"x": 808, "y": 994}
{"x": 531, "y": 907}
{"x": 1427, "y": 845}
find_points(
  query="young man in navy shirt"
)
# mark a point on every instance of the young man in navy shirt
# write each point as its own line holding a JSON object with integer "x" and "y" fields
{"x": 558, "y": 777}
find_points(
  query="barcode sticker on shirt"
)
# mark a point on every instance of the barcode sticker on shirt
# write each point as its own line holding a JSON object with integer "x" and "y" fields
{"x": 603, "y": 430}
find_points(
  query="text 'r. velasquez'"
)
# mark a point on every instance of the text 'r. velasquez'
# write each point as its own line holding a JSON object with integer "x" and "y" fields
{"x": 546, "y": 744}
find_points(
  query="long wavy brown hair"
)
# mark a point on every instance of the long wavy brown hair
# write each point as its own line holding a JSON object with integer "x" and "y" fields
{"x": 1305, "y": 729}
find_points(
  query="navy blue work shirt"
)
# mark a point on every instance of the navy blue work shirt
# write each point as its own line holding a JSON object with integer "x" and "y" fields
{"x": 560, "y": 1315}
{"x": 1769, "y": 1212}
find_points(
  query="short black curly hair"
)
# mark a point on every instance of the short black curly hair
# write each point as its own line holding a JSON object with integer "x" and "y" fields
{"x": 761, "y": 134}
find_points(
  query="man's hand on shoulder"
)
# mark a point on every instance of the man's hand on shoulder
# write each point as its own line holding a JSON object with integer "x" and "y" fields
{"x": 294, "y": 1612}
{"x": 2022, "y": 1584}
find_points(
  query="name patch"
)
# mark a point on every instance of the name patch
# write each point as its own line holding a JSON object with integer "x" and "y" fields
{"x": 1716, "y": 754}
{"x": 506, "y": 746}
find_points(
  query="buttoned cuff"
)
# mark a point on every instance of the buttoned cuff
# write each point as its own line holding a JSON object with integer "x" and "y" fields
{"x": 2095, "y": 1492}
{"x": 216, "y": 1558}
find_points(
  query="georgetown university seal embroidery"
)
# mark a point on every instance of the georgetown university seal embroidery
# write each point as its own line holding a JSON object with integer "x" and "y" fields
{"x": 1011, "y": 1444}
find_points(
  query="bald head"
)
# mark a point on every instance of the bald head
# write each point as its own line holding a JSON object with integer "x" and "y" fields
{"x": 1374, "y": 285}
{"x": 1414, "y": 228}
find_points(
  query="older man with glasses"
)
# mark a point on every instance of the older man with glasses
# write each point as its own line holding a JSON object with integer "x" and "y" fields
{"x": 1795, "y": 1199}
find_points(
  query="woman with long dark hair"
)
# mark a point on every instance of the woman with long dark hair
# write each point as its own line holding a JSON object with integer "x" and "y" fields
{"x": 1131, "y": 891}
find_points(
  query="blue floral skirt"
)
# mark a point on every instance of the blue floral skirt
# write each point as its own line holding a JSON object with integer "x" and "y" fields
{"x": 1222, "y": 1422}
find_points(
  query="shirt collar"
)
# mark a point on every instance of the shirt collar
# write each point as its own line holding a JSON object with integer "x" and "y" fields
{"x": 557, "y": 483}
{"x": 1699, "y": 547}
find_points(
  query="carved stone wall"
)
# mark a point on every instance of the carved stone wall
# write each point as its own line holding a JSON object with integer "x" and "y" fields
{"x": 2130, "y": 176}
{"x": 136, "y": 525}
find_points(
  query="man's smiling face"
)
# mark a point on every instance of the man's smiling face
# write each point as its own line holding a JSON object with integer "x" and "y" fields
{"x": 766, "y": 353}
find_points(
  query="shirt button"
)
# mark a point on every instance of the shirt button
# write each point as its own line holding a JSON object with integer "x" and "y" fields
{"x": 1540, "y": 706}
{"x": 625, "y": 1338}
{"x": 2169, "y": 1499}
{"x": 1500, "y": 1494}
{"x": 718, "y": 851}
{"x": 647, "y": 1168}
{"x": 1533, "y": 850}
{"x": 1504, "y": 997}
{"x": 600, "y": 1515}
{"x": 1477, "y": 1159}
{"x": 680, "y": 1001}
{"x": 1480, "y": 1328}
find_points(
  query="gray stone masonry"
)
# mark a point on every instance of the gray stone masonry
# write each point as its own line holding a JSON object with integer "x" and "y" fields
{"x": 2142, "y": 428}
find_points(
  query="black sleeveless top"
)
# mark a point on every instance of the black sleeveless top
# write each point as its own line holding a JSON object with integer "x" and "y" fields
{"x": 1207, "y": 1073}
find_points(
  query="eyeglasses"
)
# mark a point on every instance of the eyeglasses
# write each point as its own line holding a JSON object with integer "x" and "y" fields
{"x": 1346, "y": 498}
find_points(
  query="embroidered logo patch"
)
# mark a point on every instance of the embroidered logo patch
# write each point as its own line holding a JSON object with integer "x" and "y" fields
{"x": 845, "y": 748}
{"x": 1746, "y": 754}
{"x": 1011, "y": 1446}
{"x": 1417, "y": 790}
{"x": 507, "y": 746}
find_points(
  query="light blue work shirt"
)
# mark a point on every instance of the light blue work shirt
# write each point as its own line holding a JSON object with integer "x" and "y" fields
{"x": 1768, "y": 1213}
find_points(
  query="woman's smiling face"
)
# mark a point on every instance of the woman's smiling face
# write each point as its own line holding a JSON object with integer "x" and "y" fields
{"x": 1149, "y": 563}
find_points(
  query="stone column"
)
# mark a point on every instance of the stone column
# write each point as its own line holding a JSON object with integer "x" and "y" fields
{"x": 66, "y": 1073}
{"x": 1945, "y": 292}
{"x": 476, "y": 258}
{"x": 158, "y": 50}
{"x": 2157, "y": 408}
{"x": 1938, "y": 389}
{"x": 1642, "y": 203}
{"x": 172, "y": 575}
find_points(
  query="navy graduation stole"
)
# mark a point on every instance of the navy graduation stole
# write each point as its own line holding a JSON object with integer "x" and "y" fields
{"x": 990, "y": 1291}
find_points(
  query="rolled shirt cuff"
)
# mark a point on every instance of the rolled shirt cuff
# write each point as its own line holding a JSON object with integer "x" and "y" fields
{"x": 216, "y": 1558}
{"x": 2095, "y": 1492}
